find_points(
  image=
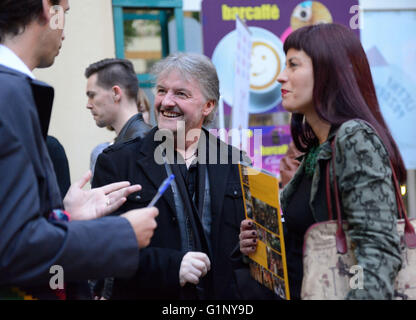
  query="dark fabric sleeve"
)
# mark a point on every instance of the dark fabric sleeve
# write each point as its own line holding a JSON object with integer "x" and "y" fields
{"x": 369, "y": 204}
{"x": 104, "y": 172}
{"x": 30, "y": 245}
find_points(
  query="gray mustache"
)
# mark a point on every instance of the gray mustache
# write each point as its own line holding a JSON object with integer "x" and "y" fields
{"x": 171, "y": 110}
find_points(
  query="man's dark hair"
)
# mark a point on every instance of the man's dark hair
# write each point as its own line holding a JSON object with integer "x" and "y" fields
{"x": 15, "y": 15}
{"x": 111, "y": 72}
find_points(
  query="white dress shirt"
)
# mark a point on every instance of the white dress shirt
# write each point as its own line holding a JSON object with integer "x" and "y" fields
{"x": 9, "y": 59}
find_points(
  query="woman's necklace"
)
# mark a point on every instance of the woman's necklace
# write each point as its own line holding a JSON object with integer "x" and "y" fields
{"x": 310, "y": 160}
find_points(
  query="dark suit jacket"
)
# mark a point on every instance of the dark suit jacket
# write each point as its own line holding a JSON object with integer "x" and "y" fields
{"x": 29, "y": 243}
{"x": 158, "y": 274}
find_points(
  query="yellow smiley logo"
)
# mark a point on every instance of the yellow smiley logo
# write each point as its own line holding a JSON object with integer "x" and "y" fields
{"x": 265, "y": 66}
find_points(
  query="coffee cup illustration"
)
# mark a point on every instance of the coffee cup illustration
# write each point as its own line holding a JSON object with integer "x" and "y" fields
{"x": 265, "y": 68}
{"x": 267, "y": 61}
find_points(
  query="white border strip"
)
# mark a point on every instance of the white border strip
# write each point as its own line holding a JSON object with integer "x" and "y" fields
{"x": 383, "y": 5}
{"x": 195, "y": 5}
{"x": 192, "y": 5}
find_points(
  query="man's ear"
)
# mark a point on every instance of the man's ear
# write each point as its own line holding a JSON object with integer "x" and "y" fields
{"x": 208, "y": 108}
{"x": 46, "y": 8}
{"x": 116, "y": 93}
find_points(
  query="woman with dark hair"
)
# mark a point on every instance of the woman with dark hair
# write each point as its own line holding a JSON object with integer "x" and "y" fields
{"x": 328, "y": 88}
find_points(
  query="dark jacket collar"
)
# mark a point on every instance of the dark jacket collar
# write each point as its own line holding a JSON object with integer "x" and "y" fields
{"x": 218, "y": 173}
{"x": 155, "y": 172}
{"x": 150, "y": 143}
{"x": 43, "y": 95}
{"x": 133, "y": 128}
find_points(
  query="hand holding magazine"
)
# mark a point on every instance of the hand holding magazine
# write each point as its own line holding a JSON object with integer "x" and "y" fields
{"x": 261, "y": 202}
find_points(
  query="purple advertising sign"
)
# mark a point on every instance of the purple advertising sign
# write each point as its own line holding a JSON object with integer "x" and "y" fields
{"x": 270, "y": 22}
{"x": 275, "y": 142}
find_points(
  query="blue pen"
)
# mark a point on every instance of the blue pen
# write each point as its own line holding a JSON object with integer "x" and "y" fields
{"x": 165, "y": 184}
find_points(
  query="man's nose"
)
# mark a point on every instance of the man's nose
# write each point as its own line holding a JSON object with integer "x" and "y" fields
{"x": 168, "y": 100}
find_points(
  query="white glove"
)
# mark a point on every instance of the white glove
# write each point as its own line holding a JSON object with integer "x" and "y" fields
{"x": 194, "y": 265}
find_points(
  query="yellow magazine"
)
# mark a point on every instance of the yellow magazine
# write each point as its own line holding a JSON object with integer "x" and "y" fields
{"x": 261, "y": 202}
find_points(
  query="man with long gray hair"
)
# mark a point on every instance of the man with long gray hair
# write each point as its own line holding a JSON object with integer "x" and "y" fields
{"x": 200, "y": 214}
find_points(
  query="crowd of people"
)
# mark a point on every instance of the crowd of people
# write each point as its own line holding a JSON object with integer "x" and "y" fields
{"x": 193, "y": 243}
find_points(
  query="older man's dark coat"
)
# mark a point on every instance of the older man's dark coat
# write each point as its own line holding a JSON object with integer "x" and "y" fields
{"x": 158, "y": 274}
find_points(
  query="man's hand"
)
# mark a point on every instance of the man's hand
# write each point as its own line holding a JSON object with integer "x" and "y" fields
{"x": 194, "y": 265}
{"x": 143, "y": 223}
{"x": 97, "y": 202}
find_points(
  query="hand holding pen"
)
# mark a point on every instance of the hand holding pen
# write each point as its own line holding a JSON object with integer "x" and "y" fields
{"x": 165, "y": 184}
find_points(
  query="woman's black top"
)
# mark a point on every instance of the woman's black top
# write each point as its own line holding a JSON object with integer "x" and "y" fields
{"x": 298, "y": 218}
